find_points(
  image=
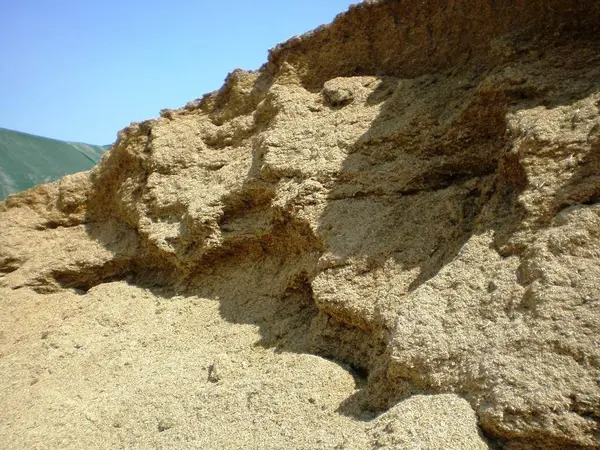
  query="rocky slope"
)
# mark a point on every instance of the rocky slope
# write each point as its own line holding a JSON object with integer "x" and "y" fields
{"x": 411, "y": 192}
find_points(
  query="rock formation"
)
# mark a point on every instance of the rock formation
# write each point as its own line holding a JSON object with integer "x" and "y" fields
{"x": 411, "y": 191}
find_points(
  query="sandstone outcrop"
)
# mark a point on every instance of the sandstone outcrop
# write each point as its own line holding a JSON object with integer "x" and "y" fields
{"x": 412, "y": 191}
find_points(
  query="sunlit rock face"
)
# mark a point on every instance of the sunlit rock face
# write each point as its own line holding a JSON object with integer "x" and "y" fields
{"x": 411, "y": 191}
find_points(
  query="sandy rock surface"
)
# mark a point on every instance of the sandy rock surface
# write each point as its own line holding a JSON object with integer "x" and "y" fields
{"x": 386, "y": 237}
{"x": 130, "y": 367}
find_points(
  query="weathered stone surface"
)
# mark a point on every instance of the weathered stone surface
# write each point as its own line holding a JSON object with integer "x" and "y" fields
{"x": 428, "y": 421}
{"x": 412, "y": 191}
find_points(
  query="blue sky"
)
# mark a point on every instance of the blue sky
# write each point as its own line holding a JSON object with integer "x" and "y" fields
{"x": 80, "y": 71}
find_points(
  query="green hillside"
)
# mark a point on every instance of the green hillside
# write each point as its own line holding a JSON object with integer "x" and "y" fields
{"x": 27, "y": 160}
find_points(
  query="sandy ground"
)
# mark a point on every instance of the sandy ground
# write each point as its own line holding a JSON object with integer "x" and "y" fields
{"x": 122, "y": 367}
{"x": 119, "y": 368}
{"x": 422, "y": 207}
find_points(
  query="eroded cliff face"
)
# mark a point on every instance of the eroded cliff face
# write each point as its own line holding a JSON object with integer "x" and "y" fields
{"x": 412, "y": 190}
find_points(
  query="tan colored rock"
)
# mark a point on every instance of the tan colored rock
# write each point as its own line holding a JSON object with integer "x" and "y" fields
{"x": 411, "y": 191}
{"x": 428, "y": 421}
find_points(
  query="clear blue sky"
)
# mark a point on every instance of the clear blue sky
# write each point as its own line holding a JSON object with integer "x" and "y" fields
{"x": 81, "y": 70}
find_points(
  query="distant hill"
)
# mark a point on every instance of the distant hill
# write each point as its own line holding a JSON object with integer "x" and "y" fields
{"x": 27, "y": 160}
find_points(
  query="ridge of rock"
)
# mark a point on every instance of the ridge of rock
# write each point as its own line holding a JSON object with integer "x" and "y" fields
{"x": 412, "y": 190}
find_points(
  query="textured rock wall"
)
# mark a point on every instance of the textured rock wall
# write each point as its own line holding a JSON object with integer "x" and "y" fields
{"x": 413, "y": 188}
